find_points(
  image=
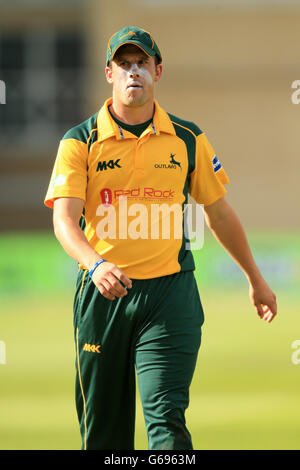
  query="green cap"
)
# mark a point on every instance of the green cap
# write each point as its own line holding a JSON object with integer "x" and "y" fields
{"x": 132, "y": 35}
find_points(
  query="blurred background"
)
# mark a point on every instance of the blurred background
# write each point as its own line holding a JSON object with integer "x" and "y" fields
{"x": 229, "y": 66}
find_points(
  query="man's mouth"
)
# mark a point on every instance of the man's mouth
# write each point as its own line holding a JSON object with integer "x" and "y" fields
{"x": 134, "y": 85}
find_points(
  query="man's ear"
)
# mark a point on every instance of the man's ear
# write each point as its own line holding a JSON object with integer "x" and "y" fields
{"x": 108, "y": 73}
{"x": 158, "y": 72}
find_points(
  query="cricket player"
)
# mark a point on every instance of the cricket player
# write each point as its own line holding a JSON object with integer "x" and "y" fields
{"x": 137, "y": 309}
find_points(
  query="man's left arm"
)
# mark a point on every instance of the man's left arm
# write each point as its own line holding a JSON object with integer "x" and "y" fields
{"x": 227, "y": 229}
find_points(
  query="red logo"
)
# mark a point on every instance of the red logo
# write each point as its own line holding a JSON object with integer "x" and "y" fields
{"x": 144, "y": 193}
{"x": 106, "y": 196}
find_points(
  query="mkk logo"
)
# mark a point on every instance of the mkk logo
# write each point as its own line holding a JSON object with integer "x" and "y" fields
{"x": 112, "y": 164}
{"x": 92, "y": 348}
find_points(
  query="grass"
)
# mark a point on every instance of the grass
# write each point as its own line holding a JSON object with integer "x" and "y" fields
{"x": 244, "y": 394}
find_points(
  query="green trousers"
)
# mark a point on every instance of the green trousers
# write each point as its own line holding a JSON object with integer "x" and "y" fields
{"x": 154, "y": 334}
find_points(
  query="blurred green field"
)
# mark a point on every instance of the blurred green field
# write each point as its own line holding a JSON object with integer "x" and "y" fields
{"x": 245, "y": 392}
{"x": 244, "y": 395}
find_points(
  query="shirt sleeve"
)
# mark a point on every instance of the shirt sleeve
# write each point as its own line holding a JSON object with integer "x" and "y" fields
{"x": 209, "y": 177}
{"x": 69, "y": 175}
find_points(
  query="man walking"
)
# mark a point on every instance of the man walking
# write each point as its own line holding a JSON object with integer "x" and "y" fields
{"x": 137, "y": 305}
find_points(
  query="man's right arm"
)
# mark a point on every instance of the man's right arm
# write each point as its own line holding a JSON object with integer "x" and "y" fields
{"x": 107, "y": 276}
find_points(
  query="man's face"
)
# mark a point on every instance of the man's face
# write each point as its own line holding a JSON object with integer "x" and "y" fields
{"x": 133, "y": 74}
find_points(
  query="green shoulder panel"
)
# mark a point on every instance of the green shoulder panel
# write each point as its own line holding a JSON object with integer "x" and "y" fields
{"x": 187, "y": 131}
{"x": 83, "y": 130}
{"x": 189, "y": 125}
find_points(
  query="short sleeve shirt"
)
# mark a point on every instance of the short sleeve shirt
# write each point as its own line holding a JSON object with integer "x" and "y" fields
{"x": 136, "y": 189}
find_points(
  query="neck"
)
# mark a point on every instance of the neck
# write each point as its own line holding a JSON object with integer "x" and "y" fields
{"x": 132, "y": 115}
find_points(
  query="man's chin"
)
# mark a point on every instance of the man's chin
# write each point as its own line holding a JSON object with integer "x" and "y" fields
{"x": 135, "y": 101}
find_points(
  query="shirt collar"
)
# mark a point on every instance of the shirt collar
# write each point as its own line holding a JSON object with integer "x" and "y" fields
{"x": 107, "y": 127}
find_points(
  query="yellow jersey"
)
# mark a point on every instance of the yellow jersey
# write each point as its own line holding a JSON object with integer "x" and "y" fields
{"x": 131, "y": 186}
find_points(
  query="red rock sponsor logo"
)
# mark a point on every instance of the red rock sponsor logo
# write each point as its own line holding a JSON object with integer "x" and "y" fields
{"x": 145, "y": 193}
{"x": 106, "y": 196}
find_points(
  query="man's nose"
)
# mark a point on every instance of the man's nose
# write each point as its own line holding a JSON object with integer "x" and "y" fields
{"x": 134, "y": 71}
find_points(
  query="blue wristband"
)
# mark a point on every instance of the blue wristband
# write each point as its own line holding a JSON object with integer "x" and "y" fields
{"x": 95, "y": 266}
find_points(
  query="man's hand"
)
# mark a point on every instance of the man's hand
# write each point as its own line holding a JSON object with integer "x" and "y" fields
{"x": 263, "y": 299}
{"x": 107, "y": 276}
{"x": 110, "y": 281}
{"x": 226, "y": 227}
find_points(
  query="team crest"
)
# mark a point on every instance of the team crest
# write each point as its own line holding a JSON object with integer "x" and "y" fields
{"x": 172, "y": 165}
{"x": 216, "y": 164}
